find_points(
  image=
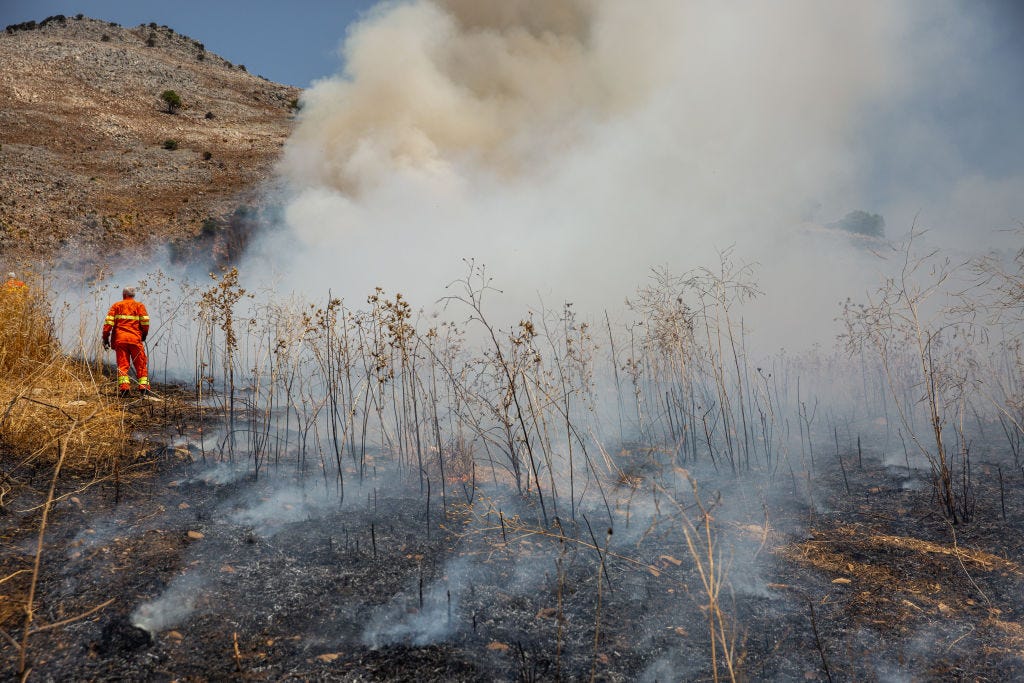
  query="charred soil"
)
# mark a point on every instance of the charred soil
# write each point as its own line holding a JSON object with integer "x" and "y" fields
{"x": 286, "y": 576}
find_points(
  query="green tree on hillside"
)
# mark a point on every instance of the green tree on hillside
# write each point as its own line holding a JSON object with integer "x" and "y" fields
{"x": 172, "y": 100}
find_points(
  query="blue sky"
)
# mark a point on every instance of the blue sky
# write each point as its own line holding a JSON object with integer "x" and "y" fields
{"x": 291, "y": 42}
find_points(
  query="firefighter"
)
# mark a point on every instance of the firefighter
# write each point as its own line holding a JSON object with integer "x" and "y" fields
{"x": 125, "y": 329}
{"x": 13, "y": 283}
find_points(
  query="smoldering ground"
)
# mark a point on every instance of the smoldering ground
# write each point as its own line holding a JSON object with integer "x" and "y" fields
{"x": 298, "y": 574}
{"x": 271, "y": 549}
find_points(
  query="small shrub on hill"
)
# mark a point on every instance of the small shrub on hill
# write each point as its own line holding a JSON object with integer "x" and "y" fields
{"x": 172, "y": 100}
{"x": 170, "y": 144}
{"x": 861, "y": 223}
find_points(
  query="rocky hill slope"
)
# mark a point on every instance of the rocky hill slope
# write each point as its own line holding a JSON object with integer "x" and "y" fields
{"x": 95, "y": 166}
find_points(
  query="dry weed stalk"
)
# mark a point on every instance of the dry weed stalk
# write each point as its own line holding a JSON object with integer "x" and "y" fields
{"x": 701, "y": 543}
{"x": 37, "y": 563}
{"x": 902, "y": 315}
{"x": 508, "y": 365}
{"x": 998, "y": 291}
{"x": 695, "y": 351}
{"x": 217, "y": 309}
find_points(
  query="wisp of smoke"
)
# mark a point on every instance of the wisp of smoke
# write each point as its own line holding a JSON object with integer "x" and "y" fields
{"x": 171, "y": 608}
{"x": 395, "y": 622}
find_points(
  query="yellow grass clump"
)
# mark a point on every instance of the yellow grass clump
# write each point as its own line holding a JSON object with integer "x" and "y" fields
{"x": 46, "y": 396}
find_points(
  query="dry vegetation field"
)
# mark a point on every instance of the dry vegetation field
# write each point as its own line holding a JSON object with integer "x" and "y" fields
{"x": 363, "y": 493}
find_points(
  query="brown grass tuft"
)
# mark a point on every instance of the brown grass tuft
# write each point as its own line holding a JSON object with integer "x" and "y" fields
{"x": 43, "y": 393}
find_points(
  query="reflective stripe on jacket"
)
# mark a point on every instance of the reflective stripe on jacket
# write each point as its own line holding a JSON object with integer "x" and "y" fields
{"x": 128, "y": 320}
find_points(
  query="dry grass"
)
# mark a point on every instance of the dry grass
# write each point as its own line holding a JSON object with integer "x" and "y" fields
{"x": 54, "y": 412}
{"x": 981, "y": 559}
{"x": 891, "y": 580}
{"x": 43, "y": 393}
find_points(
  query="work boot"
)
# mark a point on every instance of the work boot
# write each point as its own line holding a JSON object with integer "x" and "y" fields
{"x": 124, "y": 393}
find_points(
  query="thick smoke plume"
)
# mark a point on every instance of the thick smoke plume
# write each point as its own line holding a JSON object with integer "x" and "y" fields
{"x": 572, "y": 146}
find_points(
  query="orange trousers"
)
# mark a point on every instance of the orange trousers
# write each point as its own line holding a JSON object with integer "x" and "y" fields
{"x": 136, "y": 353}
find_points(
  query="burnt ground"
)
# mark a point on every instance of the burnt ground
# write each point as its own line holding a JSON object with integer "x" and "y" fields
{"x": 277, "y": 578}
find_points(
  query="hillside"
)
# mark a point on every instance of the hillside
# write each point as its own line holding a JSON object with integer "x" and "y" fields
{"x": 83, "y": 137}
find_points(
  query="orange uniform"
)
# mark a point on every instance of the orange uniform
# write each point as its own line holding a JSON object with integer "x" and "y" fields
{"x": 14, "y": 283}
{"x": 125, "y": 329}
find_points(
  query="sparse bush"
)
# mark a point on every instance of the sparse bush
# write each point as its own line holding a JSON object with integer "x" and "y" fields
{"x": 105, "y": 38}
{"x": 861, "y": 223}
{"x": 58, "y": 18}
{"x": 23, "y": 26}
{"x": 79, "y": 16}
{"x": 172, "y": 100}
{"x": 171, "y": 144}
{"x": 210, "y": 227}
{"x": 151, "y": 41}
{"x": 241, "y": 67}
{"x": 207, "y": 156}
{"x": 152, "y": 25}
{"x": 210, "y": 115}
{"x": 294, "y": 104}
{"x": 201, "y": 56}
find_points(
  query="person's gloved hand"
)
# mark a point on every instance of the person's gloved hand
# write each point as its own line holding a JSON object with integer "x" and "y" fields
{"x": 106, "y": 344}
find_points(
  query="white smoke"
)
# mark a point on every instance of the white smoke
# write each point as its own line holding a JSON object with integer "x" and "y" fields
{"x": 400, "y": 622}
{"x": 173, "y": 607}
{"x": 571, "y": 146}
